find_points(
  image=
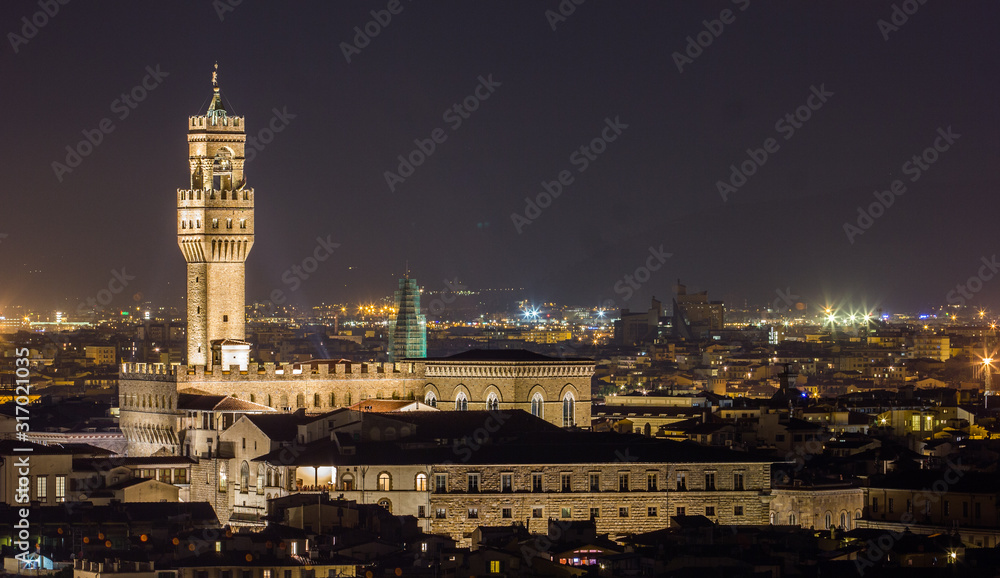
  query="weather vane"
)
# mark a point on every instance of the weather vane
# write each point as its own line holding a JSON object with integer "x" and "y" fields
{"x": 215, "y": 75}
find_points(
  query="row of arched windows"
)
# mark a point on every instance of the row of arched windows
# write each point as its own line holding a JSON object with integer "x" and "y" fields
{"x": 493, "y": 404}
{"x": 384, "y": 482}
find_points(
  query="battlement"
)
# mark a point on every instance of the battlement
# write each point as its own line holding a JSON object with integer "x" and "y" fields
{"x": 216, "y": 124}
{"x": 288, "y": 371}
{"x": 210, "y": 198}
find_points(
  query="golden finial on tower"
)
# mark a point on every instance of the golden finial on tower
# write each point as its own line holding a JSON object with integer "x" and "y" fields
{"x": 215, "y": 76}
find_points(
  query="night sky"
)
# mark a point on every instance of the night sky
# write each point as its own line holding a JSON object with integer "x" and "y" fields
{"x": 552, "y": 92}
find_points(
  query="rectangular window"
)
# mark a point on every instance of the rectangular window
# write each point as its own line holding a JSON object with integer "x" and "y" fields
{"x": 779, "y": 438}
{"x": 874, "y": 505}
{"x": 595, "y": 512}
{"x": 440, "y": 483}
{"x": 536, "y": 512}
{"x": 651, "y": 481}
{"x": 60, "y": 488}
{"x": 421, "y": 511}
{"x": 180, "y": 476}
{"x": 267, "y": 573}
{"x": 496, "y": 567}
{"x": 42, "y": 488}
{"x": 738, "y": 481}
{"x": 965, "y": 509}
{"x": 473, "y": 513}
{"x": 681, "y": 511}
{"x": 506, "y": 513}
{"x": 440, "y": 513}
{"x": 947, "y": 508}
{"x": 979, "y": 513}
{"x": 915, "y": 423}
{"x": 623, "y": 512}
{"x": 709, "y": 480}
{"x": 738, "y": 510}
{"x": 566, "y": 513}
{"x": 623, "y": 481}
{"x": 651, "y": 511}
{"x": 536, "y": 482}
{"x": 506, "y": 482}
{"x": 566, "y": 482}
{"x": 681, "y": 480}
{"x": 709, "y": 510}
{"x": 909, "y": 506}
{"x": 890, "y": 505}
{"x": 473, "y": 483}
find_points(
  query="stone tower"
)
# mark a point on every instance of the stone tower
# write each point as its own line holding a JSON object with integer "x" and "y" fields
{"x": 215, "y": 230}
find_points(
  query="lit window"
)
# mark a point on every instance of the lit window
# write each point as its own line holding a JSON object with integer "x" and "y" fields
{"x": 536, "y": 405}
{"x": 421, "y": 485}
{"x": 60, "y": 488}
{"x": 222, "y": 477}
{"x": 384, "y": 482}
{"x": 42, "y": 488}
{"x": 569, "y": 411}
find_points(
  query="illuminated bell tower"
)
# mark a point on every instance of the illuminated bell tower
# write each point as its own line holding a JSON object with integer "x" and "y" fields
{"x": 215, "y": 230}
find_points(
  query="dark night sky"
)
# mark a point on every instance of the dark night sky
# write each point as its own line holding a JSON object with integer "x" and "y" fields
{"x": 655, "y": 185}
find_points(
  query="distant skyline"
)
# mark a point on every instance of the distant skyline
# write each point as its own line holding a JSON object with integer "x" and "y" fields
{"x": 744, "y": 158}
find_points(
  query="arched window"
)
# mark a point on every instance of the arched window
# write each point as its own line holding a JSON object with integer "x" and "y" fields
{"x": 492, "y": 402}
{"x": 316, "y": 401}
{"x": 347, "y": 483}
{"x": 536, "y": 405}
{"x": 184, "y": 224}
{"x": 828, "y": 521}
{"x": 791, "y": 519}
{"x": 244, "y": 477}
{"x": 267, "y": 477}
{"x": 333, "y": 400}
{"x": 284, "y": 400}
{"x": 260, "y": 479}
{"x": 384, "y": 482}
{"x": 253, "y": 398}
{"x": 421, "y": 483}
{"x": 461, "y": 402}
{"x": 223, "y": 475}
{"x": 569, "y": 410}
{"x": 844, "y": 524}
{"x": 385, "y": 503}
{"x": 431, "y": 399}
{"x": 773, "y": 518}
{"x": 300, "y": 400}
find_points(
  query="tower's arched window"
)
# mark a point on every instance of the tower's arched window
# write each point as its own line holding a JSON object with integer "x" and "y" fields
{"x": 569, "y": 410}
{"x": 536, "y": 405}
{"x": 184, "y": 224}
{"x": 492, "y": 402}
{"x": 222, "y": 171}
{"x": 244, "y": 477}
{"x": 384, "y": 482}
{"x": 461, "y": 402}
{"x": 300, "y": 400}
{"x": 431, "y": 399}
